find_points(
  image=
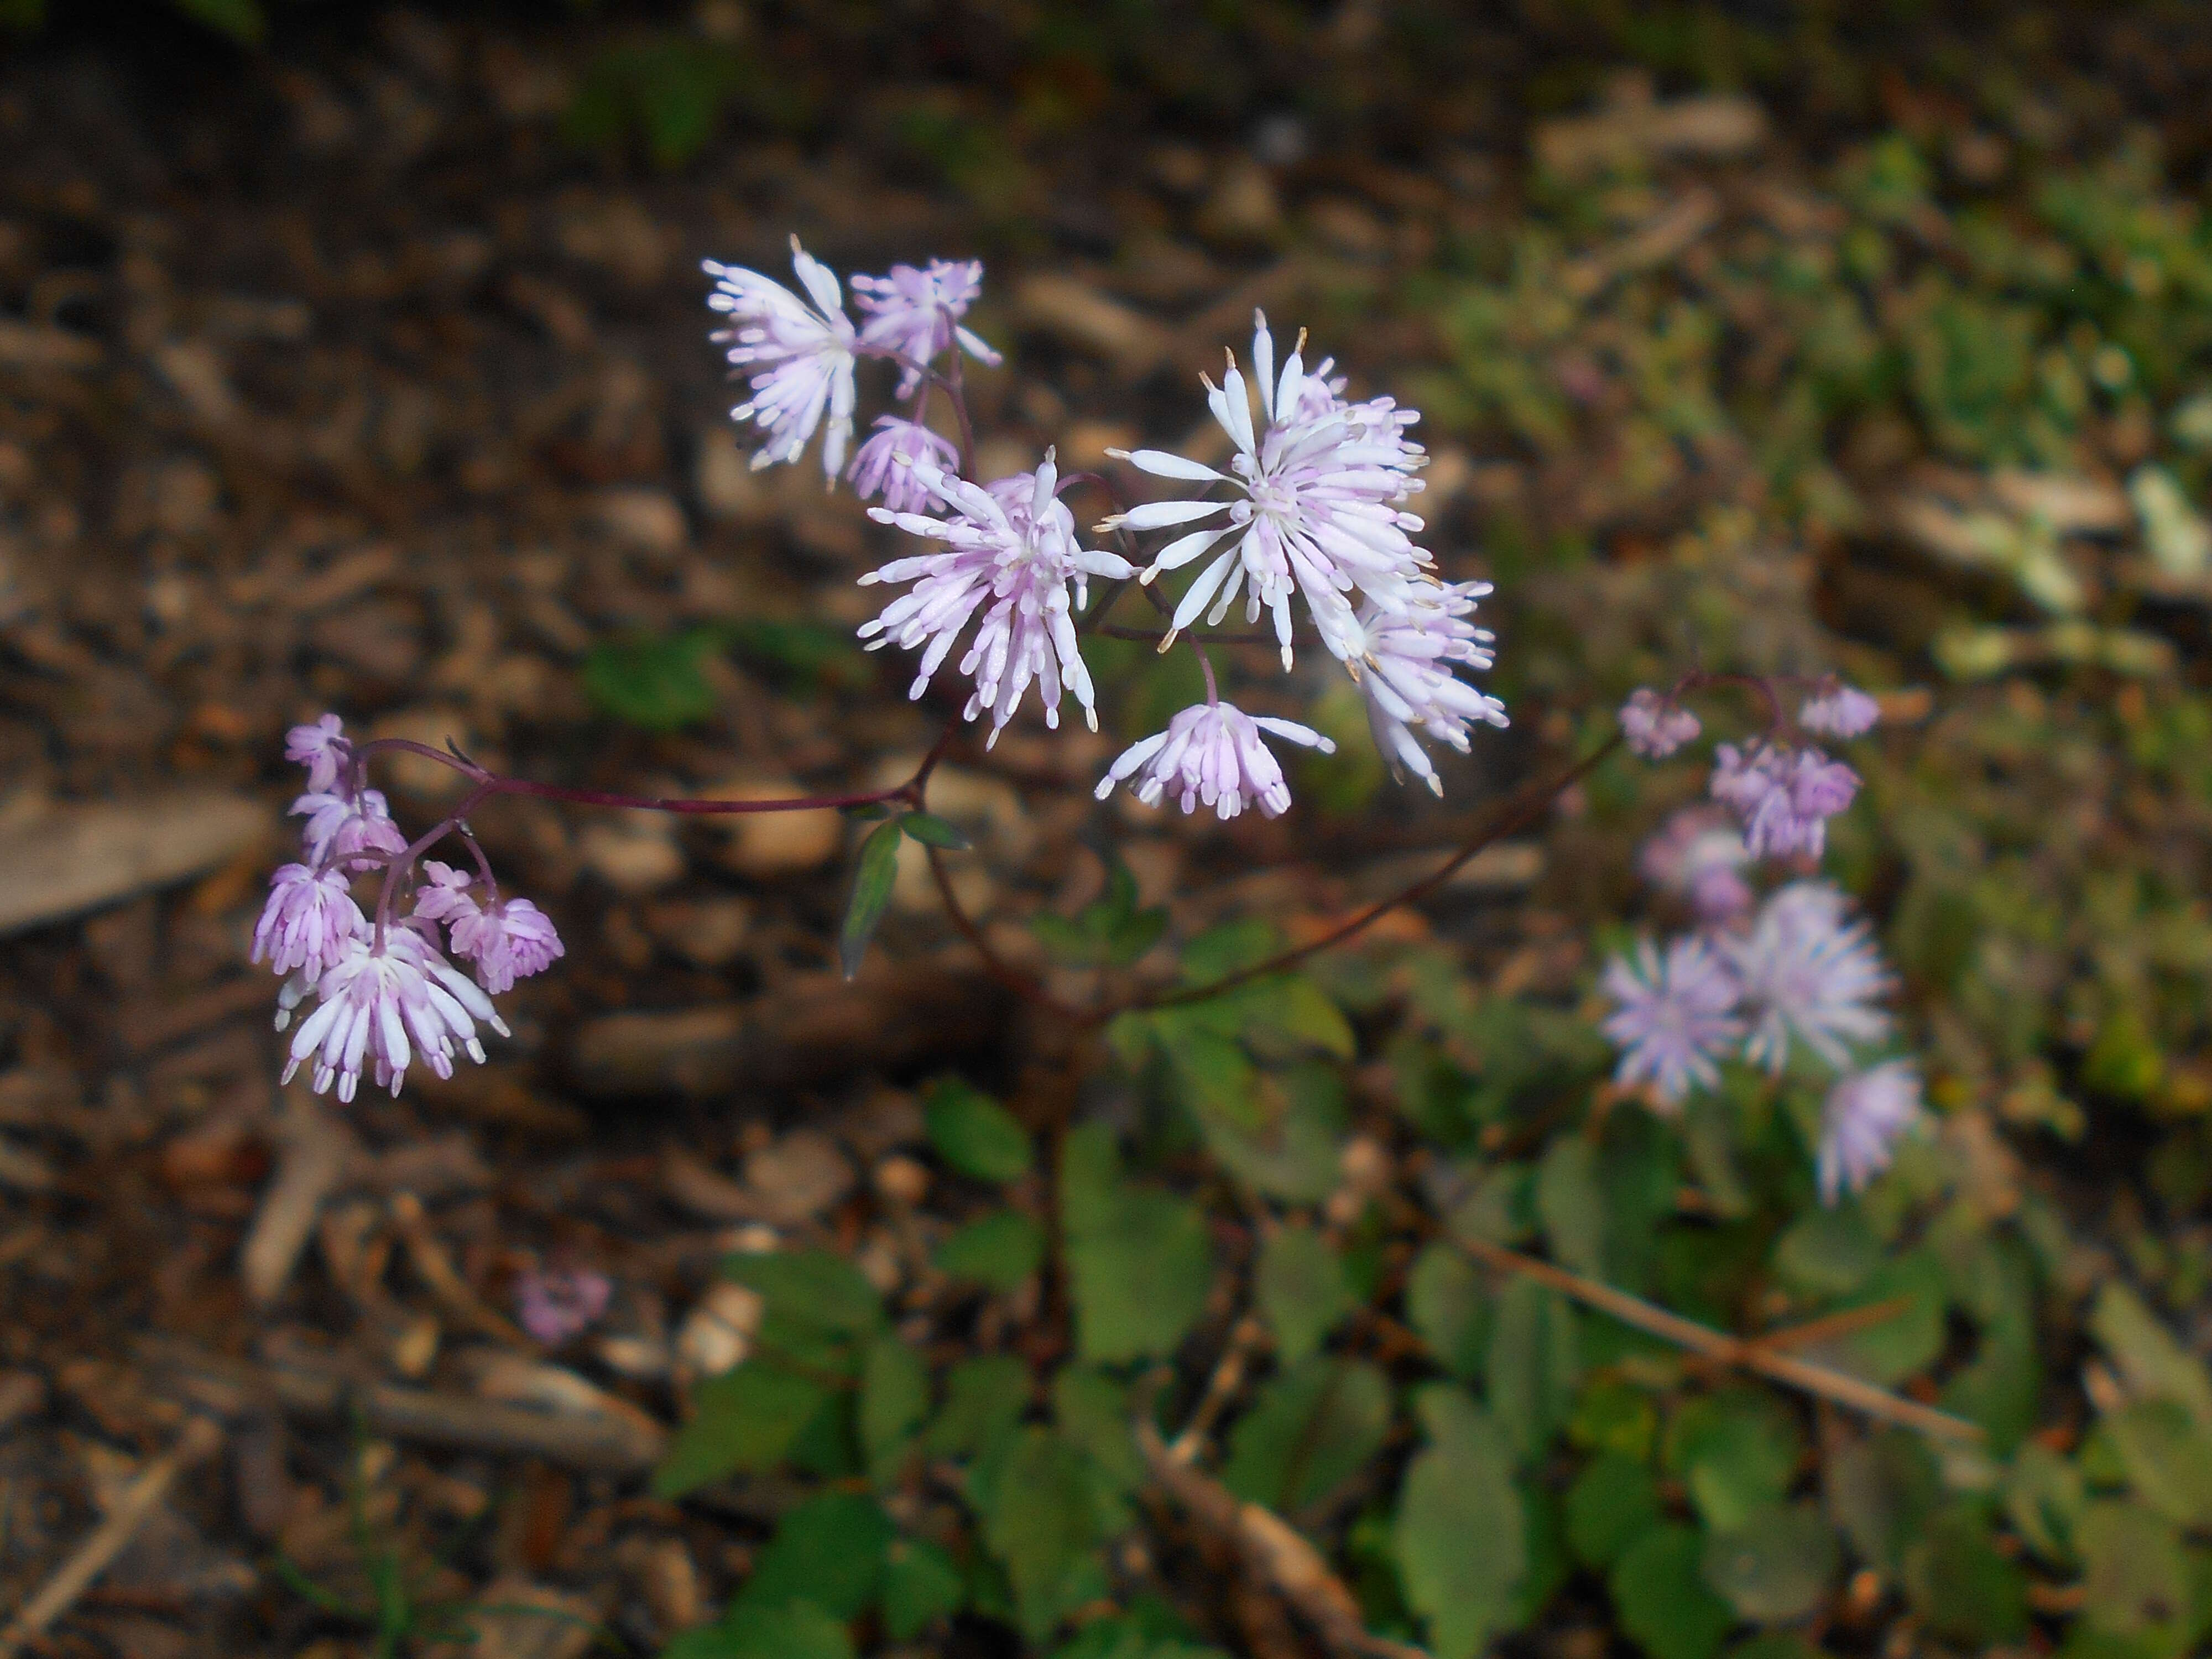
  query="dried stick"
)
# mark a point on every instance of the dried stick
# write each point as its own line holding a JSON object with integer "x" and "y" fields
{"x": 201, "y": 1438}
{"x": 1272, "y": 1550}
{"x": 1758, "y": 1354}
{"x": 1247, "y": 1338}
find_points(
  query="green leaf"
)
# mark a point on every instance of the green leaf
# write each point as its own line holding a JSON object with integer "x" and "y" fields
{"x": 998, "y": 1250}
{"x": 1092, "y": 1410}
{"x": 1881, "y": 1490}
{"x": 921, "y": 1584}
{"x": 2154, "y": 1365}
{"x": 742, "y": 1422}
{"x": 930, "y": 830}
{"x": 1778, "y": 1565}
{"x": 243, "y": 20}
{"x": 1283, "y": 1138}
{"x": 2135, "y": 1578}
{"x": 872, "y": 894}
{"x": 1661, "y": 1599}
{"x": 1447, "y": 1306}
{"x": 829, "y": 1552}
{"x": 816, "y": 1288}
{"x": 1140, "y": 1260}
{"x": 658, "y": 684}
{"x": 798, "y": 1630}
{"x": 974, "y": 1134}
{"x": 1286, "y": 1015}
{"x": 1907, "y": 1342}
{"x": 1109, "y": 932}
{"x": 1828, "y": 1252}
{"x": 2168, "y": 1456}
{"x": 2044, "y": 1496}
{"x": 1041, "y": 1521}
{"x": 1961, "y": 1585}
{"x": 894, "y": 1399}
{"x": 1611, "y": 1416}
{"x": 1312, "y": 1427}
{"x": 1737, "y": 1451}
{"x": 1613, "y": 1502}
{"x": 1459, "y": 1532}
{"x": 1230, "y": 948}
{"x": 1534, "y": 1360}
{"x": 1572, "y": 1205}
{"x": 984, "y": 1399}
{"x": 1302, "y": 1291}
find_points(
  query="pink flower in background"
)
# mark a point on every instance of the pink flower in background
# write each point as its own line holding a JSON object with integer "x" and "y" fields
{"x": 1861, "y": 1121}
{"x": 1783, "y": 797}
{"x": 1654, "y": 728}
{"x": 1211, "y": 755}
{"x": 799, "y": 358}
{"x": 916, "y": 313}
{"x": 1408, "y": 681}
{"x": 321, "y": 749}
{"x": 885, "y": 465}
{"x": 349, "y": 829}
{"x": 308, "y": 921}
{"x": 1810, "y": 973}
{"x": 1842, "y": 711}
{"x": 1674, "y": 1016}
{"x": 1010, "y": 553}
{"x": 554, "y": 1305}
{"x": 381, "y": 1005}
{"x": 507, "y": 940}
{"x": 1699, "y": 856}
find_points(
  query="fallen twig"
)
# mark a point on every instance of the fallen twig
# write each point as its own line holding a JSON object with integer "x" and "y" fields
{"x": 625, "y": 1444}
{"x": 1761, "y": 1354}
{"x": 201, "y": 1438}
{"x": 1272, "y": 1550}
{"x": 1249, "y": 1336}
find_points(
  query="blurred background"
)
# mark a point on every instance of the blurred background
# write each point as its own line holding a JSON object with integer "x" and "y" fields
{"x": 353, "y": 357}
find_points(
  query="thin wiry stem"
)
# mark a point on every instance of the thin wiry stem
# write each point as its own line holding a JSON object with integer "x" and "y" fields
{"x": 1518, "y": 813}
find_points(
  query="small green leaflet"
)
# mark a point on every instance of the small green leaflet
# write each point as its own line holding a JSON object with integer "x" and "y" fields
{"x": 829, "y": 1552}
{"x": 1109, "y": 932}
{"x": 1312, "y": 1428}
{"x": 1459, "y": 1535}
{"x": 927, "y": 829}
{"x": 1661, "y": 1599}
{"x": 1139, "y": 1259}
{"x": 656, "y": 685}
{"x": 921, "y": 1584}
{"x": 872, "y": 894}
{"x": 974, "y": 1133}
{"x": 1302, "y": 1291}
{"x": 742, "y": 1422}
{"x": 1778, "y": 1565}
{"x": 997, "y": 1251}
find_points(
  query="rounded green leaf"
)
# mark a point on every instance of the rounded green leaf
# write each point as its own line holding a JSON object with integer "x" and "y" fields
{"x": 975, "y": 1134}
{"x": 1302, "y": 1291}
{"x": 1778, "y": 1565}
{"x": 1613, "y": 1503}
{"x": 1661, "y": 1599}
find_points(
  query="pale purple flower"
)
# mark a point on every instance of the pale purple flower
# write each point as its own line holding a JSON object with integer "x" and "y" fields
{"x": 342, "y": 828}
{"x": 1656, "y": 726}
{"x": 381, "y": 1006}
{"x": 1408, "y": 680}
{"x": 1314, "y": 504}
{"x": 1840, "y": 711}
{"x": 508, "y": 940}
{"x": 884, "y": 465}
{"x": 1860, "y": 1123}
{"x": 1009, "y": 552}
{"x": 1783, "y": 797}
{"x": 1699, "y": 856}
{"x": 554, "y": 1305}
{"x": 1810, "y": 973}
{"x": 444, "y": 894}
{"x": 799, "y": 357}
{"x": 1211, "y": 755}
{"x": 917, "y": 313}
{"x": 1674, "y": 1016}
{"x": 307, "y": 922}
{"x": 321, "y": 749}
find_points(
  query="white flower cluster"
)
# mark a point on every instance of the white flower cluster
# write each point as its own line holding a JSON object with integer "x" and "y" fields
{"x": 1310, "y": 514}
